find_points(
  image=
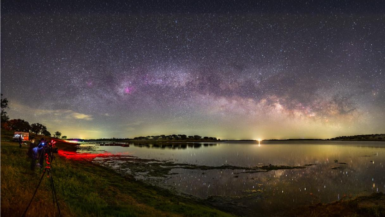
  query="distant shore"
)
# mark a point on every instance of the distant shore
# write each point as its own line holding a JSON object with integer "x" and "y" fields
{"x": 367, "y": 137}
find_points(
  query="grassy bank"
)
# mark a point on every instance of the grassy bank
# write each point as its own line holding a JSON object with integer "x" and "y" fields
{"x": 84, "y": 189}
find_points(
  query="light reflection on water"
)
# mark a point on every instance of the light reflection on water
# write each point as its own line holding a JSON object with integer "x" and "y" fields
{"x": 341, "y": 170}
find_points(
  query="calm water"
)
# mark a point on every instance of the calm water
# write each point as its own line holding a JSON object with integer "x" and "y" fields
{"x": 341, "y": 170}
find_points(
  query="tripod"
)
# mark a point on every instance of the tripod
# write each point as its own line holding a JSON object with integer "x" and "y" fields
{"x": 47, "y": 170}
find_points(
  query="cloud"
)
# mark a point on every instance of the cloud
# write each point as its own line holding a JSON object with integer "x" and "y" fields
{"x": 55, "y": 113}
{"x": 81, "y": 116}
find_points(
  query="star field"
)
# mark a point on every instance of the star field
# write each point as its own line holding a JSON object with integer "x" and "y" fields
{"x": 235, "y": 71}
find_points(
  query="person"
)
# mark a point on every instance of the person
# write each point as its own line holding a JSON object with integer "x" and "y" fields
{"x": 39, "y": 149}
{"x": 20, "y": 140}
{"x": 31, "y": 154}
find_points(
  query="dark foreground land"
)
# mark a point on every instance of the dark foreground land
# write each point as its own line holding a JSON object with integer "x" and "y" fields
{"x": 86, "y": 189}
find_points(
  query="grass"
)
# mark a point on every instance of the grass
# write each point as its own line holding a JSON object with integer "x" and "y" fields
{"x": 84, "y": 189}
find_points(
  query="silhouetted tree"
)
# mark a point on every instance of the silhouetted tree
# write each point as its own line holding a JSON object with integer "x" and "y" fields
{"x": 57, "y": 134}
{"x": 19, "y": 125}
{"x": 38, "y": 128}
{"x": 4, "y": 105}
{"x": 64, "y": 137}
{"x": 197, "y": 137}
{"x": 46, "y": 133}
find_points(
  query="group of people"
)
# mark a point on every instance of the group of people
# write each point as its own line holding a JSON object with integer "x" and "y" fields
{"x": 36, "y": 152}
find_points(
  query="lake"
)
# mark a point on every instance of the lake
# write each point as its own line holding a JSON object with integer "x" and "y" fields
{"x": 324, "y": 171}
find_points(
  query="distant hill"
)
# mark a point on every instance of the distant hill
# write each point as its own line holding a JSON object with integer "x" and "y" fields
{"x": 371, "y": 137}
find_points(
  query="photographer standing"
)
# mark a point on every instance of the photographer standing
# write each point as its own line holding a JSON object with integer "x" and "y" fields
{"x": 39, "y": 149}
{"x": 20, "y": 140}
{"x": 31, "y": 154}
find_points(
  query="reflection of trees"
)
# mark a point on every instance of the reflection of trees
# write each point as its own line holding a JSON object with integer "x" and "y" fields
{"x": 197, "y": 145}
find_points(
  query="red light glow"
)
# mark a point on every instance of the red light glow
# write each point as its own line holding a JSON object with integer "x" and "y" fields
{"x": 83, "y": 156}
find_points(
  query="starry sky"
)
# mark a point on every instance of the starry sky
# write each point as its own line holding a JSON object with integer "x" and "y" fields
{"x": 229, "y": 69}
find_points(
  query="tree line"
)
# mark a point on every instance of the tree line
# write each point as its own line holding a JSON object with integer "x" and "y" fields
{"x": 22, "y": 125}
{"x": 175, "y": 137}
{"x": 370, "y": 137}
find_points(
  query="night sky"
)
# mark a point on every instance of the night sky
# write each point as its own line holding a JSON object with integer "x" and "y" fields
{"x": 229, "y": 69}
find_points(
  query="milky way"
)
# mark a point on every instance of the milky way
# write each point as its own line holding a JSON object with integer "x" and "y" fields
{"x": 245, "y": 71}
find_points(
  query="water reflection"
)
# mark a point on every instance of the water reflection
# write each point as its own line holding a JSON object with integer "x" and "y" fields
{"x": 95, "y": 146}
{"x": 333, "y": 171}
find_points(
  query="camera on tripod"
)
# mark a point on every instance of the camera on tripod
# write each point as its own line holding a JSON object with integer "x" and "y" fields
{"x": 47, "y": 151}
{"x": 50, "y": 148}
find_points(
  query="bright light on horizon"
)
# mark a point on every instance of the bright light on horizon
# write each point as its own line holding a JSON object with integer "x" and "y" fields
{"x": 259, "y": 141}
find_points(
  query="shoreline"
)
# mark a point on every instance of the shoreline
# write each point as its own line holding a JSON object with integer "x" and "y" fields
{"x": 85, "y": 188}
